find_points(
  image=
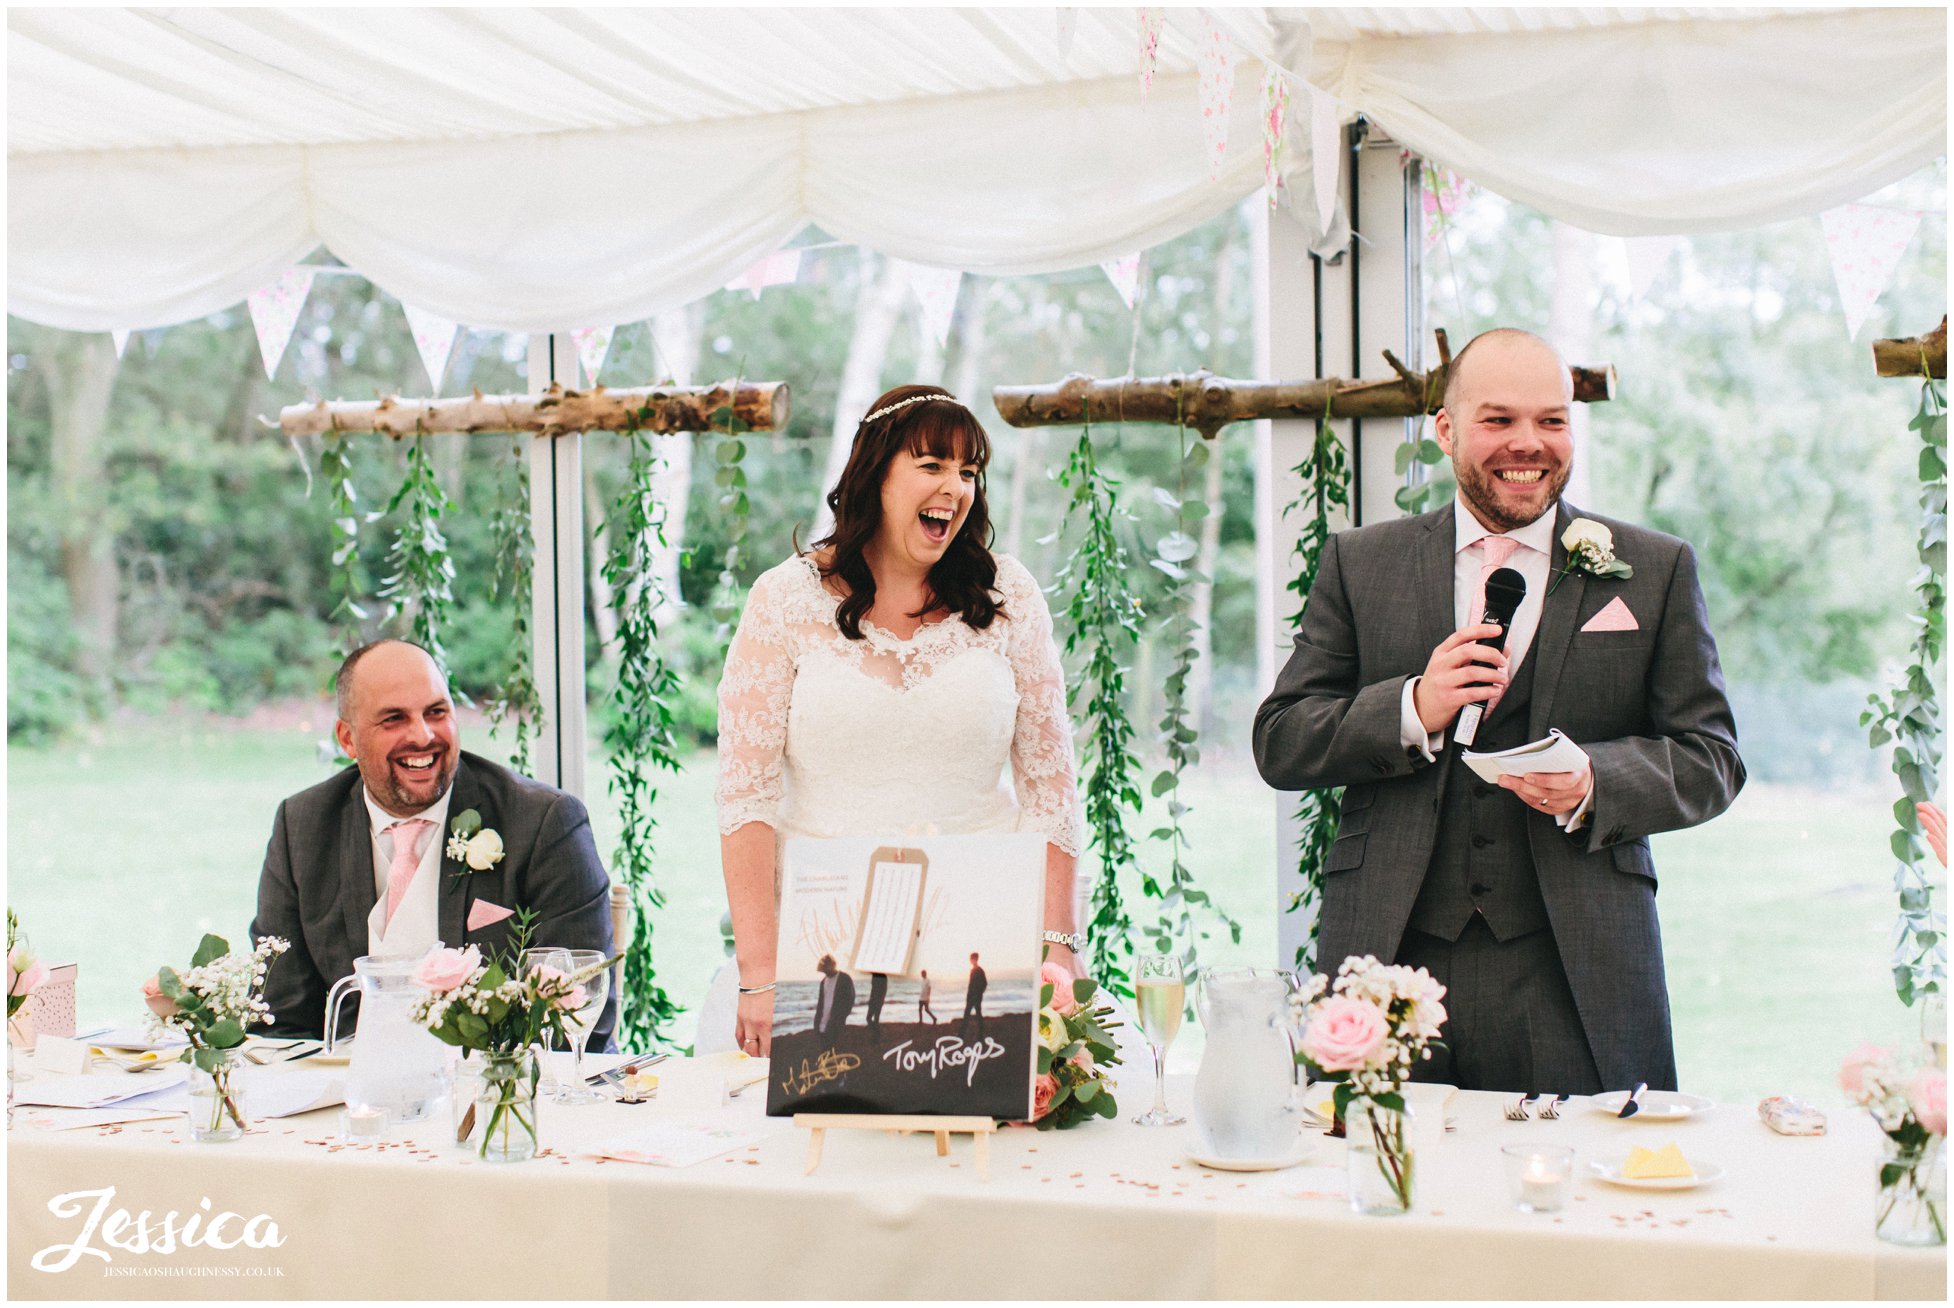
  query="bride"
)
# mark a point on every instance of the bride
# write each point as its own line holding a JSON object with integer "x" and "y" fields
{"x": 880, "y": 683}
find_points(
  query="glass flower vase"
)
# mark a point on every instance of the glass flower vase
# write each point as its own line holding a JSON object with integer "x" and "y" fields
{"x": 216, "y": 1095}
{"x": 1911, "y": 1207}
{"x": 505, "y": 1106}
{"x": 1380, "y": 1163}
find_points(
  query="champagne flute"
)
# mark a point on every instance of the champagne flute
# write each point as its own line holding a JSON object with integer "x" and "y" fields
{"x": 579, "y": 1023}
{"x": 1160, "y": 995}
{"x": 532, "y": 959}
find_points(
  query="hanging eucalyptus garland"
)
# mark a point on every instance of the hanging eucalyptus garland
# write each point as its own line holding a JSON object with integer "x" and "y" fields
{"x": 1326, "y": 481}
{"x": 1173, "y": 557}
{"x": 516, "y": 698}
{"x": 640, "y": 735}
{"x": 336, "y": 470}
{"x": 1104, "y": 618}
{"x": 1910, "y": 716}
{"x": 422, "y": 580}
{"x": 729, "y": 475}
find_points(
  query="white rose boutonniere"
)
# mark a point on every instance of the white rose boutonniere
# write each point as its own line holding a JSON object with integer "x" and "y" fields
{"x": 1591, "y": 548}
{"x": 472, "y": 843}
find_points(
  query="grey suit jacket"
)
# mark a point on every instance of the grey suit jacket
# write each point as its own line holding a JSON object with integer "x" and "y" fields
{"x": 1647, "y": 705}
{"x": 316, "y": 889}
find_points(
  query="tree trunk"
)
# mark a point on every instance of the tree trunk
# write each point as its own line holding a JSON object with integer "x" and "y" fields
{"x": 1200, "y": 689}
{"x": 878, "y": 304}
{"x": 80, "y": 373}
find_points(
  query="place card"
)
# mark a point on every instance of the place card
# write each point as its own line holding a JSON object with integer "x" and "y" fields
{"x": 60, "y": 1055}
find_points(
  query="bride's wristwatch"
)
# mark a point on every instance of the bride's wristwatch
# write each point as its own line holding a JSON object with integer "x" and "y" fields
{"x": 1072, "y": 940}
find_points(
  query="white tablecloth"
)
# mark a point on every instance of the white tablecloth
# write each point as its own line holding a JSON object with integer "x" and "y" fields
{"x": 1109, "y": 1210}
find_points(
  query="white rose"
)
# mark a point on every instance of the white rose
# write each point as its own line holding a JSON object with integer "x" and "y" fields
{"x": 484, "y": 850}
{"x": 1051, "y": 1031}
{"x": 1586, "y": 531}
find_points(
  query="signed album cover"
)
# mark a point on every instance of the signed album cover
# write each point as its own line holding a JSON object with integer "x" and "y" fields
{"x": 908, "y": 976}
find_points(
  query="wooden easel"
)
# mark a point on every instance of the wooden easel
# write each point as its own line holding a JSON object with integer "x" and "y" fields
{"x": 982, "y": 1128}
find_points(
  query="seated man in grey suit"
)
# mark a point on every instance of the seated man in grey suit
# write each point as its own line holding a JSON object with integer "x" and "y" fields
{"x": 359, "y": 864}
{"x": 1533, "y": 901}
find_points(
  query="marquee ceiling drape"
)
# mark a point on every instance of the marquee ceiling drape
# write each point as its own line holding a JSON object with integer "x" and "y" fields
{"x": 533, "y": 169}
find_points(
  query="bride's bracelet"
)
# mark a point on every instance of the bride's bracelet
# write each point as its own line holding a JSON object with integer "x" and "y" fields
{"x": 758, "y": 990}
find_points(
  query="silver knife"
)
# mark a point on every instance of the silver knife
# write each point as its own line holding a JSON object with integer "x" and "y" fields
{"x": 622, "y": 1070}
{"x": 1634, "y": 1104}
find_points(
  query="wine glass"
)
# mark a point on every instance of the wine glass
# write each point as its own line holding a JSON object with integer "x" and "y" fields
{"x": 532, "y": 959}
{"x": 579, "y": 1022}
{"x": 1160, "y": 995}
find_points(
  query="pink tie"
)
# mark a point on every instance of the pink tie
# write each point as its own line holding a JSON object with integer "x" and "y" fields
{"x": 407, "y": 861}
{"x": 1494, "y": 551}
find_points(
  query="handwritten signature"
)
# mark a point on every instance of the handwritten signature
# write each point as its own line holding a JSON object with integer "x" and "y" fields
{"x": 947, "y": 1053}
{"x": 830, "y": 1066}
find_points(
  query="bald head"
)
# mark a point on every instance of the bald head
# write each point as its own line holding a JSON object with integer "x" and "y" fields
{"x": 1510, "y": 344}
{"x": 397, "y": 721}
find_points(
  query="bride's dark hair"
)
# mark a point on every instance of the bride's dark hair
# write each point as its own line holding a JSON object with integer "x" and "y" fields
{"x": 935, "y": 425}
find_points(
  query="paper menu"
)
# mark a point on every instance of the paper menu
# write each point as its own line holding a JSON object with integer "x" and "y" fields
{"x": 892, "y": 909}
{"x": 674, "y": 1144}
{"x": 97, "y": 1089}
{"x": 1553, "y": 752}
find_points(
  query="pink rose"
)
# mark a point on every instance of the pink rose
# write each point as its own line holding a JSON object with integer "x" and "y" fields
{"x": 24, "y": 973}
{"x": 1927, "y": 1096}
{"x": 1083, "y": 1061}
{"x": 1059, "y": 978}
{"x": 576, "y": 999}
{"x": 1041, "y": 1095}
{"x": 444, "y": 969}
{"x": 1852, "y": 1071}
{"x": 159, "y": 1003}
{"x": 1345, "y": 1034}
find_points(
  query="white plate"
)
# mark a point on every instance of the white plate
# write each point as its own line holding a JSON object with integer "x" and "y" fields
{"x": 1612, "y": 1174}
{"x": 1251, "y": 1164}
{"x": 1657, "y": 1105}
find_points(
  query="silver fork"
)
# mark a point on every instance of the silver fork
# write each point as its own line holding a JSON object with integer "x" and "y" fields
{"x": 1551, "y": 1113}
{"x": 1518, "y": 1112}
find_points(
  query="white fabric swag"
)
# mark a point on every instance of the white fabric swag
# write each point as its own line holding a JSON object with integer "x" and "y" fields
{"x": 534, "y": 170}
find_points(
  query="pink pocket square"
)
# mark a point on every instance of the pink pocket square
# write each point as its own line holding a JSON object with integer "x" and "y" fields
{"x": 1614, "y": 616}
{"x": 482, "y": 913}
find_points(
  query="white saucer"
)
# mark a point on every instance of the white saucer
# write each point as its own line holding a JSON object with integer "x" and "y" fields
{"x": 1251, "y": 1164}
{"x": 1657, "y": 1105}
{"x": 1612, "y": 1174}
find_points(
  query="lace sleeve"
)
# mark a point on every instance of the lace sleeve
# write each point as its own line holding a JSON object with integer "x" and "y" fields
{"x": 1041, "y": 744}
{"x": 754, "y": 693}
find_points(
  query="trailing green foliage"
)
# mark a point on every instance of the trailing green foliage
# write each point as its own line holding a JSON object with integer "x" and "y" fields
{"x": 1326, "y": 488}
{"x": 1910, "y": 717}
{"x": 422, "y": 582}
{"x": 729, "y": 478}
{"x": 1433, "y": 490}
{"x": 516, "y": 697}
{"x": 1105, "y": 617}
{"x": 336, "y": 470}
{"x": 640, "y": 736}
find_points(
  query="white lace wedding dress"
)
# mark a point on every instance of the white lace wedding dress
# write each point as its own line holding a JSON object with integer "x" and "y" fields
{"x": 824, "y": 736}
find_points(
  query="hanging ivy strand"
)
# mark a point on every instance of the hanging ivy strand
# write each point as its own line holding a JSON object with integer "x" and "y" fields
{"x": 1910, "y": 718}
{"x": 1174, "y": 558}
{"x": 422, "y": 582}
{"x": 1325, "y": 477}
{"x": 1105, "y": 621}
{"x": 640, "y": 735}
{"x": 336, "y": 471}
{"x": 516, "y": 699}
{"x": 729, "y": 476}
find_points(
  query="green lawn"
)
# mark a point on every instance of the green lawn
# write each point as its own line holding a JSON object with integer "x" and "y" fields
{"x": 124, "y": 848}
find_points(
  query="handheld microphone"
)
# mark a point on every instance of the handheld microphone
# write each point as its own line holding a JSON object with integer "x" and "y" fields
{"x": 1504, "y": 591}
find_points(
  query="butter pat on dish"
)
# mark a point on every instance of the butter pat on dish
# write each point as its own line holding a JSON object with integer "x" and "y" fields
{"x": 1649, "y": 1165}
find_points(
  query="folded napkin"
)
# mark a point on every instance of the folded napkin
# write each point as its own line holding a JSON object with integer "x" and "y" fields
{"x": 1789, "y": 1116}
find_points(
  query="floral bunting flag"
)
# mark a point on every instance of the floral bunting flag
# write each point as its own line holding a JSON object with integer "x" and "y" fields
{"x": 1275, "y": 116}
{"x": 1443, "y": 193}
{"x": 1151, "y": 19}
{"x": 434, "y": 339}
{"x": 1647, "y": 255}
{"x": 1325, "y": 154}
{"x": 121, "y": 340}
{"x": 781, "y": 268}
{"x": 275, "y": 312}
{"x": 1067, "y": 27}
{"x": 592, "y": 343}
{"x": 1124, "y": 273}
{"x": 1217, "y": 92}
{"x": 936, "y": 293}
{"x": 1865, "y": 242}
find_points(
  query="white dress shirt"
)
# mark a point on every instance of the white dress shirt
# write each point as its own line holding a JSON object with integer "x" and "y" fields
{"x": 1532, "y": 561}
{"x": 416, "y": 925}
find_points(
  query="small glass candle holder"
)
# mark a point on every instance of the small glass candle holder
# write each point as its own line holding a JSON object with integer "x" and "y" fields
{"x": 1539, "y": 1176}
{"x": 362, "y": 1125}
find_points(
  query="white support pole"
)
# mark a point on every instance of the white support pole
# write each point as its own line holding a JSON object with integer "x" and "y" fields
{"x": 557, "y": 607}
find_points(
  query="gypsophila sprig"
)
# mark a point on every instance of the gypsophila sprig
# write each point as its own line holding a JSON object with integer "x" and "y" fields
{"x": 214, "y": 1003}
{"x": 1374, "y": 1023}
{"x": 1590, "y": 547}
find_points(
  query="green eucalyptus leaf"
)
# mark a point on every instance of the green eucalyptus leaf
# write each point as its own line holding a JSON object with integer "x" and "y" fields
{"x": 209, "y": 950}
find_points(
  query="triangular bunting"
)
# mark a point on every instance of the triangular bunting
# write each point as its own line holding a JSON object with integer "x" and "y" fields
{"x": 781, "y": 268}
{"x": 434, "y": 339}
{"x": 121, "y": 340}
{"x": 275, "y": 312}
{"x": 1151, "y": 19}
{"x": 936, "y": 293}
{"x": 1217, "y": 86}
{"x": 1865, "y": 243}
{"x": 1275, "y": 120}
{"x": 1647, "y": 255}
{"x": 1124, "y": 273}
{"x": 592, "y": 343}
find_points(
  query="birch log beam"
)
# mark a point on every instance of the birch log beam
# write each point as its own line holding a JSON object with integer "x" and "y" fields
{"x": 1208, "y": 403}
{"x": 762, "y": 406}
{"x": 1909, "y": 355}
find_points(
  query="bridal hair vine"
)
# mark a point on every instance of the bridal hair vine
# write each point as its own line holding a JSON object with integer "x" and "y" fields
{"x": 888, "y": 409}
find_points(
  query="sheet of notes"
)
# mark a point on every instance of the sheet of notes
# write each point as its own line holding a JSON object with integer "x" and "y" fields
{"x": 895, "y": 897}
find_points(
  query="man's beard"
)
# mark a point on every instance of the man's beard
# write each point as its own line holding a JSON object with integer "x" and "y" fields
{"x": 396, "y": 799}
{"x": 1481, "y": 490}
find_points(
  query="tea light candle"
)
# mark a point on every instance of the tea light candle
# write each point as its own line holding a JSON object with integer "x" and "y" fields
{"x": 1539, "y": 1176}
{"x": 362, "y": 1124}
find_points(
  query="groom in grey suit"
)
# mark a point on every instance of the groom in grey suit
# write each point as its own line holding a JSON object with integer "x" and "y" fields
{"x": 333, "y": 887}
{"x": 1533, "y": 901}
